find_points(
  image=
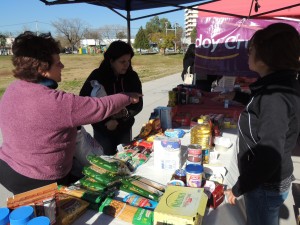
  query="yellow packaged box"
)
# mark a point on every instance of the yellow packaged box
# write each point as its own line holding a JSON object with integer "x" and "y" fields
{"x": 181, "y": 206}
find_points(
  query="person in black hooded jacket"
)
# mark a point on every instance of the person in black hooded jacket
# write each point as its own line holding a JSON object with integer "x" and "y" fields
{"x": 270, "y": 124}
{"x": 116, "y": 75}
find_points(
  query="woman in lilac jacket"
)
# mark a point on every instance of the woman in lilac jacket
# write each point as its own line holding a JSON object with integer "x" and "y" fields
{"x": 38, "y": 123}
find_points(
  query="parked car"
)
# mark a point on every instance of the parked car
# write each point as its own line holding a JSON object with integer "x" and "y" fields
{"x": 170, "y": 50}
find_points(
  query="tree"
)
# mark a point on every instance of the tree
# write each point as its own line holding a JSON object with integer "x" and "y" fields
{"x": 95, "y": 35}
{"x": 72, "y": 29}
{"x": 111, "y": 32}
{"x": 141, "y": 40}
{"x": 156, "y": 25}
{"x": 2, "y": 40}
{"x": 193, "y": 35}
{"x": 121, "y": 35}
{"x": 167, "y": 42}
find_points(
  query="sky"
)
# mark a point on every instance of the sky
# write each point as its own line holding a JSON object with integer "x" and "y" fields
{"x": 18, "y": 15}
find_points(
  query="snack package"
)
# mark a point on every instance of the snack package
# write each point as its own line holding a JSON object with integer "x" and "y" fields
{"x": 139, "y": 201}
{"x": 127, "y": 213}
{"x": 174, "y": 133}
{"x": 70, "y": 208}
{"x": 136, "y": 161}
{"x": 126, "y": 154}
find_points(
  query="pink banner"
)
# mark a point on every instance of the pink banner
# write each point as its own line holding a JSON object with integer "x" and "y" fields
{"x": 221, "y": 44}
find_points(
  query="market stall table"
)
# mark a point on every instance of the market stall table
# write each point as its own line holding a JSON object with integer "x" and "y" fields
{"x": 223, "y": 215}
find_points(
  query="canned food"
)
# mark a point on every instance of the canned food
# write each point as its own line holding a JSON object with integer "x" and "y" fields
{"x": 194, "y": 154}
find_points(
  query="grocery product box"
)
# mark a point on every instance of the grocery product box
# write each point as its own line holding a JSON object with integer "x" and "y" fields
{"x": 181, "y": 205}
{"x": 168, "y": 154}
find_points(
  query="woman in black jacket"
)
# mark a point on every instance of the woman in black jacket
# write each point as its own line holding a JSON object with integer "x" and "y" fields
{"x": 270, "y": 124}
{"x": 116, "y": 75}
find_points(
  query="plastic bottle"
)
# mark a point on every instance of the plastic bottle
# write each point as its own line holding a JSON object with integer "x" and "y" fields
{"x": 21, "y": 215}
{"x": 201, "y": 134}
{"x": 40, "y": 220}
{"x": 4, "y": 216}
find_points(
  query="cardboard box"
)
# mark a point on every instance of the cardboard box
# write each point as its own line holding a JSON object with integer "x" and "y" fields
{"x": 180, "y": 206}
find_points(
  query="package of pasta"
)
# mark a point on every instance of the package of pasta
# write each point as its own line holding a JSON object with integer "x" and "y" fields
{"x": 151, "y": 183}
{"x": 110, "y": 164}
{"x": 140, "y": 188}
{"x": 139, "y": 201}
{"x": 100, "y": 175}
{"x": 70, "y": 208}
{"x": 127, "y": 213}
{"x": 87, "y": 195}
{"x": 91, "y": 184}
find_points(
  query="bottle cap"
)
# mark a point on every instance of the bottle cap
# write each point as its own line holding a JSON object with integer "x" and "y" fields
{"x": 4, "y": 216}
{"x": 21, "y": 215}
{"x": 194, "y": 168}
{"x": 200, "y": 121}
{"x": 40, "y": 220}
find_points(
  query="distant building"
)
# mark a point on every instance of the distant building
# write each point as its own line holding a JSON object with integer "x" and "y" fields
{"x": 7, "y": 49}
{"x": 103, "y": 42}
{"x": 92, "y": 46}
{"x": 190, "y": 17}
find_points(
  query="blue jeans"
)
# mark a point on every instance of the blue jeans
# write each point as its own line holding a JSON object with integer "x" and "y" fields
{"x": 263, "y": 206}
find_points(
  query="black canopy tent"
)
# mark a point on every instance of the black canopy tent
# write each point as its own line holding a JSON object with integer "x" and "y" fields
{"x": 134, "y": 5}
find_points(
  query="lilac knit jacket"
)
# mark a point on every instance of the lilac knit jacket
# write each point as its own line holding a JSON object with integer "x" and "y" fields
{"x": 38, "y": 125}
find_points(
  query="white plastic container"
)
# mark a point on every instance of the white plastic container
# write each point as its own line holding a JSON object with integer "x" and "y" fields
{"x": 167, "y": 153}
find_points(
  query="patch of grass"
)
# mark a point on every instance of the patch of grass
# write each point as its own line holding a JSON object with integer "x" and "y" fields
{"x": 78, "y": 68}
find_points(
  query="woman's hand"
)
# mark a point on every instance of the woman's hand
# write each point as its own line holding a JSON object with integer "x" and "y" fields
{"x": 230, "y": 197}
{"x": 134, "y": 97}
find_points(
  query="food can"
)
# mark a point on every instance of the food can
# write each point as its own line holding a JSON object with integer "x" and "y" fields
{"x": 194, "y": 154}
{"x": 194, "y": 175}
